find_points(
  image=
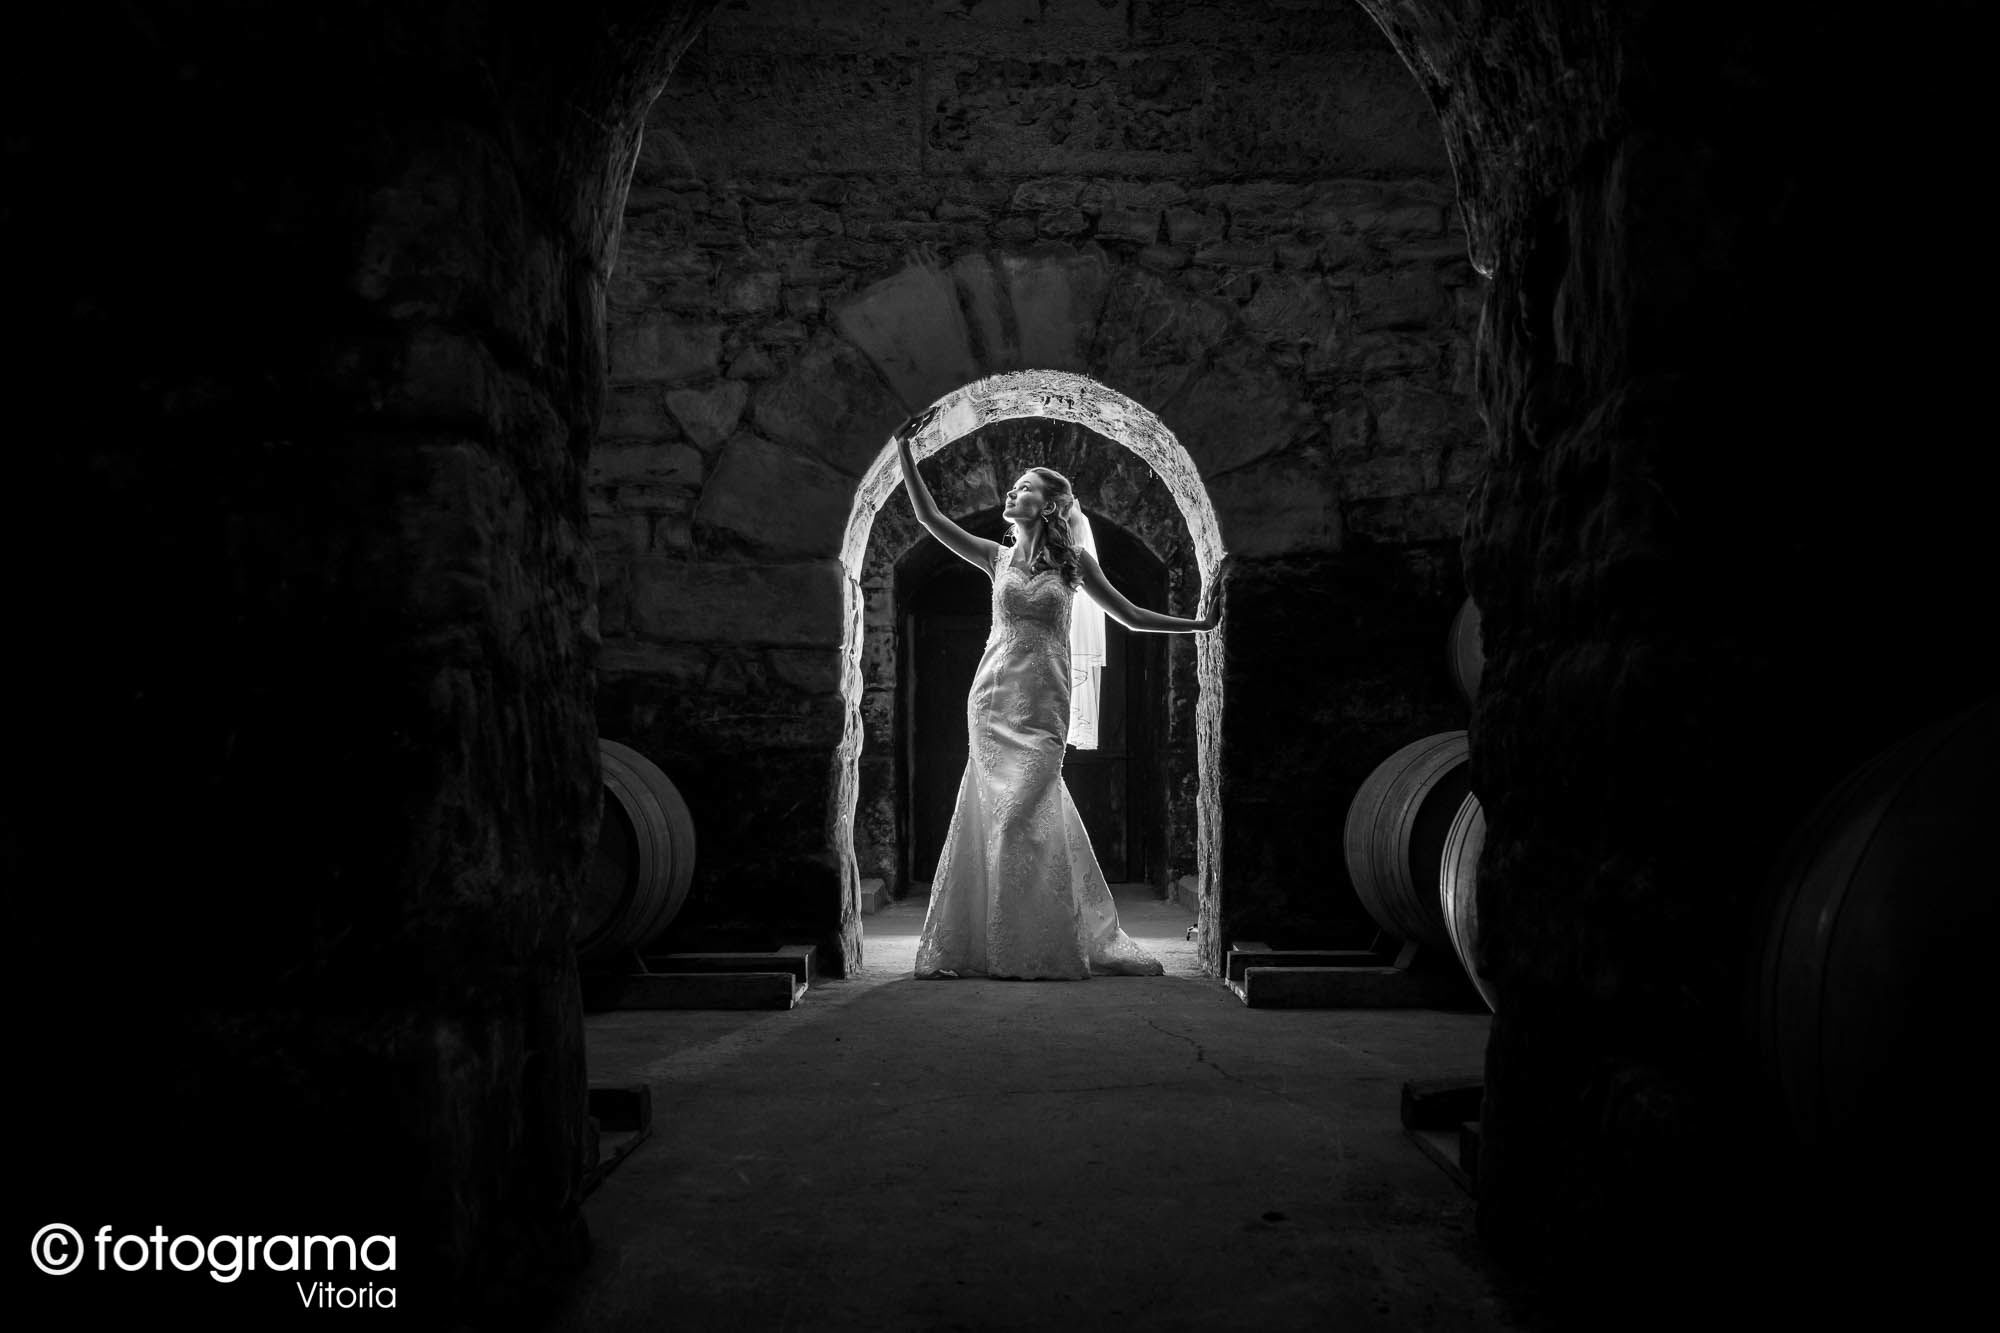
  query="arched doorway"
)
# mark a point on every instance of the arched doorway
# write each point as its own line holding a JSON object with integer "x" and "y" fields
{"x": 1064, "y": 397}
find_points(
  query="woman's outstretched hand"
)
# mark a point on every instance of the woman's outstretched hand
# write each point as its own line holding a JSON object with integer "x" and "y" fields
{"x": 910, "y": 429}
{"x": 1213, "y": 595}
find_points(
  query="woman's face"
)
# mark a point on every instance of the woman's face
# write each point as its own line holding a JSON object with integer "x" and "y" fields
{"x": 1026, "y": 500}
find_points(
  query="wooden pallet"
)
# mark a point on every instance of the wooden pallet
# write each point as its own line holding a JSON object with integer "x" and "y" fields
{"x": 1442, "y": 1117}
{"x": 620, "y": 1119}
{"x": 773, "y": 980}
{"x": 1267, "y": 978}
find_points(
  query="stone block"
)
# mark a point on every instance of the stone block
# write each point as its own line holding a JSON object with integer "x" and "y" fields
{"x": 1319, "y": 113}
{"x": 1296, "y": 254}
{"x": 807, "y": 670}
{"x": 1291, "y": 307}
{"x": 791, "y": 219}
{"x": 621, "y": 534}
{"x": 803, "y": 302}
{"x": 1235, "y": 254}
{"x": 1039, "y": 196}
{"x": 1407, "y": 518}
{"x": 951, "y": 210}
{"x": 1163, "y": 258}
{"x": 1380, "y": 478}
{"x": 791, "y": 110}
{"x": 1057, "y": 297}
{"x": 878, "y": 659}
{"x": 829, "y": 402}
{"x": 785, "y": 605}
{"x": 1014, "y": 231}
{"x": 673, "y": 532}
{"x": 878, "y": 714}
{"x": 677, "y": 665}
{"x": 776, "y": 498}
{"x": 1058, "y": 113}
{"x": 1236, "y": 412}
{"x": 1409, "y": 418}
{"x": 1341, "y": 251}
{"x": 1389, "y": 355}
{"x": 984, "y": 299}
{"x": 708, "y": 416}
{"x": 1278, "y": 506}
{"x": 1192, "y": 226}
{"x": 1406, "y": 299}
{"x": 1062, "y": 223}
{"x": 752, "y": 293}
{"x": 1149, "y": 318}
{"x": 911, "y": 328}
{"x": 665, "y": 351}
{"x": 1401, "y": 219}
{"x": 645, "y": 465}
{"x": 1259, "y": 208}
{"x": 632, "y": 412}
{"x": 752, "y": 363}
{"x": 646, "y": 253}
{"x": 781, "y": 333}
{"x": 1138, "y": 226}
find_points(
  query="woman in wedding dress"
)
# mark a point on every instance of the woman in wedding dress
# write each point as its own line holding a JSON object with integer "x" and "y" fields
{"x": 1018, "y": 891}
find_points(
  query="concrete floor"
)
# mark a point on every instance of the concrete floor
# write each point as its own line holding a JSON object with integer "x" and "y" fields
{"x": 977, "y": 1154}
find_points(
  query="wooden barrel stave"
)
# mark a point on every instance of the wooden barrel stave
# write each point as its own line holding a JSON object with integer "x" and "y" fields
{"x": 1458, "y": 890}
{"x": 1396, "y": 828}
{"x": 644, "y": 860}
{"x": 1877, "y": 925}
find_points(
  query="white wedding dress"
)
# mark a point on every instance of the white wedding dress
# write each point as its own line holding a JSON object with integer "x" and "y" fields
{"x": 1018, "y": 891}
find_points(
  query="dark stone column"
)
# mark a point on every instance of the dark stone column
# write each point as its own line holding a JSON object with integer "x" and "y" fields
{"x": 309, "y": 771}
{"x": 1722, "y": 551}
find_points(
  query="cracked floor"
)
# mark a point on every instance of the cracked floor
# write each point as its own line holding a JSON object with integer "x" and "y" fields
{"x": 976, "y": 1154}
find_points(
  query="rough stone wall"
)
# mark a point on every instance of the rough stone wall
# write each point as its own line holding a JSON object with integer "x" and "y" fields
{"x": 1235, "y": 214}
{"x": 1722, "y": 557}
{"x": 973, "y": 476}
{"x": 306, "y": 773}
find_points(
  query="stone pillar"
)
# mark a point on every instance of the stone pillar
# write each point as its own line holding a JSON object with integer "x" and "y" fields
{"x": 1720, "y": 553}
{"x": 307, "y": 771}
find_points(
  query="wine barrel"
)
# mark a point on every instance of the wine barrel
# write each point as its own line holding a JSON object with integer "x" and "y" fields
{"x": 1458, "y": 889}
{"x": 1877, "y": 935}
{"x": 1396, "y": 827}
{"x": 644, "y": 862}
{"x": 1464, "y": 654}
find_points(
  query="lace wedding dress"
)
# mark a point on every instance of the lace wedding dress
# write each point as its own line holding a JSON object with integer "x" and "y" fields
{"x": 1018, "y": 891}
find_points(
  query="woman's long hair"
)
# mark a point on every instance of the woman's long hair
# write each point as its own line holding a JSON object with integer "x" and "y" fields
{"x": 1058, "y": 546}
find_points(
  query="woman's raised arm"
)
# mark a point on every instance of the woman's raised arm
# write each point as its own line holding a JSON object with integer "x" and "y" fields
{"x": 973, "y": 550}
{"x": 1120, "y": 609}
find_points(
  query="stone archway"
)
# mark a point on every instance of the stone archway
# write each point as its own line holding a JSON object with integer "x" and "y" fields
{"x": 1062, "y": 396}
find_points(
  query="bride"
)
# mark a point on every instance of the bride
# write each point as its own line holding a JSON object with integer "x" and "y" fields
{"x": 1018, "y": 891}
